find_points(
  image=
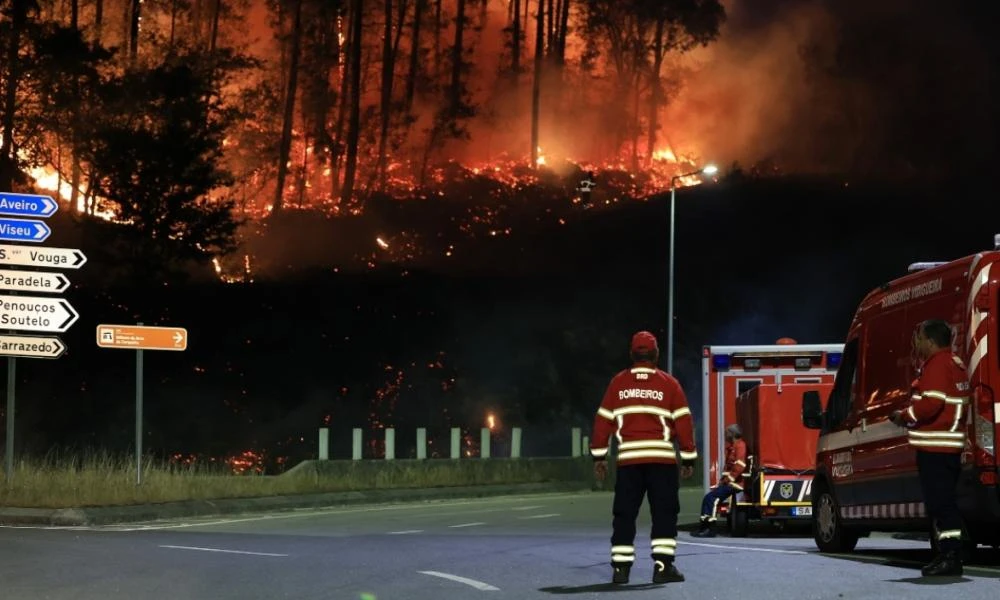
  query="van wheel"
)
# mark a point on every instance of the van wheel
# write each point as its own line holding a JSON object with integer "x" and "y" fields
{"x": 828, "y": 530}
{"x": 739, "y": 523}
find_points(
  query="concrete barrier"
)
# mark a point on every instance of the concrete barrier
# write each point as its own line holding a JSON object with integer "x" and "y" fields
{"x": 415, "y": 473}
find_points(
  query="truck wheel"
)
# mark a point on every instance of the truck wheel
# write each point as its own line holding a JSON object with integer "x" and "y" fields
{"x": 739, "y": 523}
{"x": 828, "y": 530}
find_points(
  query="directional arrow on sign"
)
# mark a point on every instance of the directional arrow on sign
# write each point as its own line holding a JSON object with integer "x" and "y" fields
{"x": 42, "y": 256}
{"x": 31, "y": 346}
{"x": 36, "y": 313}
{"x": 27, "y": 205}
{"x": 33, "y": 281}
{"x": 24, "y": 230}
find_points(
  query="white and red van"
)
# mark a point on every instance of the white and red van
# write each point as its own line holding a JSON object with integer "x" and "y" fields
{"x": 866, "y": 473}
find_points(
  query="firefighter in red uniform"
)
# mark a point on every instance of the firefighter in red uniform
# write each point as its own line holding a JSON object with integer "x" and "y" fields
{"x": 935, "y": 419}
{"x": 729, "y": 481}
{"x": 645, "y": 408}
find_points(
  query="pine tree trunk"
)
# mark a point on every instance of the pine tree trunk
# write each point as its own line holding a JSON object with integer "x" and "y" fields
{"x": 388, "y": 67}
{"x": 655, "y": 91}
{"x": 8, "y": 159}
{"x": 135, "y": 17}
{"x": 98, "y": 20}
{"x": 285, "y": 147}
{"x": 354, "y": 121}
{"x": 457, "y": 58}
{"x": 414, "y": 72}
{"x": 536, "y": 84}
{"x": 515, "y": 43}
{"x": 216, "y": 11}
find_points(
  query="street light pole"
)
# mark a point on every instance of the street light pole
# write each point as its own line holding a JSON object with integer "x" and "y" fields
{"x": 670, "y": 300}
{"x": 707, "y": 170}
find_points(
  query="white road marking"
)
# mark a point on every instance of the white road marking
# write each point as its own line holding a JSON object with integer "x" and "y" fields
{"x": 223, "y": 550}
{"x": 479, "y": 585}
{"x": 750, "y": 548}
{"x": 298, "y": 513}
{"x": 525, "y": 507}
{"x": 468, "y": 524}
{"x": 540, "y": 516}
{"x": 406, "y": 531}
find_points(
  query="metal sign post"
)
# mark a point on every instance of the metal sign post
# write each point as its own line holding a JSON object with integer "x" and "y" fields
{"x": 9, "y": 455}
{"x": 139, "y": 337}
{"x": 138, "y": 416}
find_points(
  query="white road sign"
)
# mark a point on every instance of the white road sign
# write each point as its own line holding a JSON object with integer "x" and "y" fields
{"x": 33, "y": 281}
{"x": 31, "y": 346}
{"x": 42, "y": 256}
{"x": 35, "y": 313}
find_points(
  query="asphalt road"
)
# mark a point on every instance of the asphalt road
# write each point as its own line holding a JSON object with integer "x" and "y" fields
{"x": 534, "y": 546}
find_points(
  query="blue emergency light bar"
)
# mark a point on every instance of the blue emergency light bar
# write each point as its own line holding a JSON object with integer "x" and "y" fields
{"x": 833, "y": 360}
{"x": 720, "y": 362}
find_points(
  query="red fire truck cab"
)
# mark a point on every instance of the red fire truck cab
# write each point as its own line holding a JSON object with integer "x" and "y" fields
{"x": 729, "y": 371}
{"x": 866, "y": 475}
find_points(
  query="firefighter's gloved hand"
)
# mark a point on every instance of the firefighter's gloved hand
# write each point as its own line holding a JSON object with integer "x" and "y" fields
{"x": 600, "y": 469}
{"x": 897, "y": 418}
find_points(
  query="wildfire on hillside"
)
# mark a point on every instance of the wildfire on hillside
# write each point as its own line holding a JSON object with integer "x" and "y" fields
{"x": 506, "y": 179}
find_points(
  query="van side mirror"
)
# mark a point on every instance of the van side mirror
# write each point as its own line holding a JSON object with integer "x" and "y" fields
{"x": 812, "y": 410}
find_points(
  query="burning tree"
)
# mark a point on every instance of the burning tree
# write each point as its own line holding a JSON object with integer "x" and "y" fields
{"x": 155, "y": 153}
{"x": 346, "y": 98}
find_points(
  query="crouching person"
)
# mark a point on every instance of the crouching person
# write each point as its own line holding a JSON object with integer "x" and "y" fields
{"x": 729, "y": 482}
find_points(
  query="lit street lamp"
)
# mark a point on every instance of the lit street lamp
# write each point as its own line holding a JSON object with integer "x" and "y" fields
{"x": 706, "y": 170}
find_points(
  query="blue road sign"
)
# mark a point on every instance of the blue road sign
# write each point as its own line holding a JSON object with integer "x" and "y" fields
{"x": 24, "y": 230}
{"x": 27, "y": 205}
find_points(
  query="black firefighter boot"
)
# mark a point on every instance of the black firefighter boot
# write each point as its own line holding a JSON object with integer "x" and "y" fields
{"x": 946, "y": 564}
{"x": 664, "y": 571}
{"x": 704, "y": 530}
{"x": 620, "y": 572}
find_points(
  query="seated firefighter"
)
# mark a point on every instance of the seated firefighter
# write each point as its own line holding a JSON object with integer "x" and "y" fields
{"x": 729, "y": 481}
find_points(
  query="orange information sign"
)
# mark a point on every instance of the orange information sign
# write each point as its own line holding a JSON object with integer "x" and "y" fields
{"x": 141, "y": 337}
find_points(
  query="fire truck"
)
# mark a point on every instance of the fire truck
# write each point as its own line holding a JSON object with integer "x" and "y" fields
{"x": 866, "y": 473}
{"x": 781, "y": 458}
{"x": 729, "y": 371}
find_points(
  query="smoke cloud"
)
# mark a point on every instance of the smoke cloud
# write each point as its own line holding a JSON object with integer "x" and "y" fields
{"x": 815, "y": 86}
{"x": 741, "y": 97}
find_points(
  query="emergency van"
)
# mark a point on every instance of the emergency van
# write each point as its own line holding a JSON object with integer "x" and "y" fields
{"x": 866, "y": 472}
{"x": 781, "y": 458}
{"x": 728, "y": 371}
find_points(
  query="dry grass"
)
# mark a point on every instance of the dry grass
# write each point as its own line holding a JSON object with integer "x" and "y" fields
{"x": 105, "y": 480}
{"x": 102, "y": 480}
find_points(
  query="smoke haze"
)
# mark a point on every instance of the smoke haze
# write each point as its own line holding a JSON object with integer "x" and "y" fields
{"x": 814, "y": 86}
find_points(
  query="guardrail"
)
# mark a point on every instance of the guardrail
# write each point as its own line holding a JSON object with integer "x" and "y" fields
{"x": 579, "y": 444}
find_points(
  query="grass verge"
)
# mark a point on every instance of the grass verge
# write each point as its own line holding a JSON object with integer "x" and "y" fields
{"x": 104, "y": 480}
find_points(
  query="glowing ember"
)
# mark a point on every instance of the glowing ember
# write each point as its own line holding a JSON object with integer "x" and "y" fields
{"x": 491, "y": 421}
{"x": 382, "y": 243}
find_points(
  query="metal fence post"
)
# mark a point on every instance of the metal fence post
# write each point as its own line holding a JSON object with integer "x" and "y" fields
{"x": 324, "y": 443}
{"x": 456, "y": 442}
{"x": 356, "y": 446}
{"x": 515, "y": 442}
{"x": 421, "y": 442}
{"x": 390, "y": 443}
